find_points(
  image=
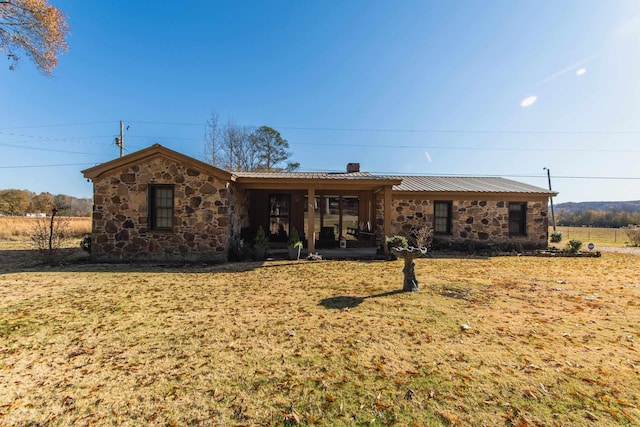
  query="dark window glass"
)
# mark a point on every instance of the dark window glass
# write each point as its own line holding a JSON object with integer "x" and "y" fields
{"x": 279, "y": 217}
{"x": 161, "y": 207}
{"x": 517, "y": 218}
{"x": 442, "y": 217}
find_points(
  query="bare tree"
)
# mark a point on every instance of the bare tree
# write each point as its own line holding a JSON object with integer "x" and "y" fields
{"x": 34, "y": 27}
{"x": 236, "y": 153}
{"x": 48, "y": 236}
{"x": 239, "y": 148}
{"x": 213, "y": 153}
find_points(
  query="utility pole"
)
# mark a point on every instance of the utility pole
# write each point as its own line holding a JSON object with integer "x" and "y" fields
{"x": 120, "y": 139}
{"x": 553, "y": 216}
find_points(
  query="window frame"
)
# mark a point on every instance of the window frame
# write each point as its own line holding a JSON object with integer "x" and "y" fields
{"x": 448, "y": 217}
{"x": 154, "y": 208}
{"x": 518, "y": 217}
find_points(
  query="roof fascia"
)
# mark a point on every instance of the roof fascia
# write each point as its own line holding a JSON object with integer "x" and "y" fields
{"x": 265, "y": 183}
{"x": 152, "y": 152}
{"x": 472, "y": 195}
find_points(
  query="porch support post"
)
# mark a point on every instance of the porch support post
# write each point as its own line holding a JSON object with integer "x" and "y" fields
{"x": 387, "y": 217}
{"x": 311, "y": 220}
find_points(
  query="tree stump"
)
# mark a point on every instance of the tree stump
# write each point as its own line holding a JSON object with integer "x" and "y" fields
{"x": 409, "y": 254}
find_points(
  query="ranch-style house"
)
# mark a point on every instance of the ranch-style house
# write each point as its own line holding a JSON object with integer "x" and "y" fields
{"x": 158, "y": 204}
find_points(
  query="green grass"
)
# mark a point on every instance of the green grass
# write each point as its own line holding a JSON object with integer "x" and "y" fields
{"x": 597, "y": 236}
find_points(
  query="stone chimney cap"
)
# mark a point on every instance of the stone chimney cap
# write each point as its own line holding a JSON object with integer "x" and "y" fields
{"x": 353, "y": 167}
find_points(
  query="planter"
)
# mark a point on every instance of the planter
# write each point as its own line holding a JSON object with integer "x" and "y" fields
{"x": 259, "y": 252}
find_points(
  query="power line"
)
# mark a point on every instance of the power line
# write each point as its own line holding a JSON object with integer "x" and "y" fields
{"x": 59, "y": 125}
{"x": 46, "y": 166}
{"x": 46, "y": 138}
{"x": 400, "y": 130}
{"x": 343, "y": 129}
{"x": 469, "y": 131}
{"x": 508, "y": 176}
{"x": 401, "y": 174}
{"x": 45, "y": 149}
{"x": 432, "y": 147}
{"x": 401, "y": 146}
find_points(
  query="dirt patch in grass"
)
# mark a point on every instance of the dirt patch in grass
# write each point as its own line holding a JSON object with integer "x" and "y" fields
{"x": 549, "y": 342}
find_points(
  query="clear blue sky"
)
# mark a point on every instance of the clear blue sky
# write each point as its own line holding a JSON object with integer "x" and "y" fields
{"x": 404, "y": 87}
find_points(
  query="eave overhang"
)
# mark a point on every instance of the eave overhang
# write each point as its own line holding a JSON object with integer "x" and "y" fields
{"x": 318, "y": 183}
{"x": 151, "y": 153}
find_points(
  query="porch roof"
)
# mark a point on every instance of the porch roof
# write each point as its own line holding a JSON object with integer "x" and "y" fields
{"x": 327, "y": 180}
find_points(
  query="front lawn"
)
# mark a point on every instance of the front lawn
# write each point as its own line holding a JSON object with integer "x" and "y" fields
{"x": 520, "y": 341}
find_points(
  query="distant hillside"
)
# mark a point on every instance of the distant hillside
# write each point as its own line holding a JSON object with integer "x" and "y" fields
{"x": 631, "y": 207}
{"x": 598, "y": 214}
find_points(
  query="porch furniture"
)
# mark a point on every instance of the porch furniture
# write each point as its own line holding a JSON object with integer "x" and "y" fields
{"x": 327, "y": 238}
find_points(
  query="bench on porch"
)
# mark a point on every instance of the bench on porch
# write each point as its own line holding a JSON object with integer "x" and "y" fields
{"x": 360, "y": 234}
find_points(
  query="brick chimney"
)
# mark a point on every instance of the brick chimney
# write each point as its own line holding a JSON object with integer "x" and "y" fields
{"x": 353, "y": 167}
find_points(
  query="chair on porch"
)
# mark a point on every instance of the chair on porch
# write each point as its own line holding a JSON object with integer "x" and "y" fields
{"x": 327, "y": 239}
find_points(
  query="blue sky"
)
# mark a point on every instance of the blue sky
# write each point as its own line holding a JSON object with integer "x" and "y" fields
{"x": 403, "y": 87}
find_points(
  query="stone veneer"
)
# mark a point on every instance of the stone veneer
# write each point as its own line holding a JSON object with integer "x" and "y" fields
{"x": 121, "y": 223}
{"x": 481, "y": 220}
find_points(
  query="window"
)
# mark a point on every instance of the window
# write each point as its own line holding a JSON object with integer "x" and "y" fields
{"x": 517, "y": 218}
{"x": 442, "y": 217}
{"x": 161, "y": 207}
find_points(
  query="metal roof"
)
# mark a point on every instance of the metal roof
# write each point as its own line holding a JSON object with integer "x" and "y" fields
{"x": 465, "y": 184}
{"x": 309, "y": 175}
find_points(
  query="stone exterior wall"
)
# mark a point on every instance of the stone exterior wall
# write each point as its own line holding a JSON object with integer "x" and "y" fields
{"x": 486, "y": 221}
{"x": 238, "y": 210}
{"x": 121, "y": 218}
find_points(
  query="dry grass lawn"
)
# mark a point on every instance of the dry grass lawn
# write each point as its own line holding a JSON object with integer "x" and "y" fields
{"x": 550, "y": 342}
{"x": 17, "y": 228}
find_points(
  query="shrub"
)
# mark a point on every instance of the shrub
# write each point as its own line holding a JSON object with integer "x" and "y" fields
{"x": 261, "y": 238}
{"x": 294, "y": 237}
{"x": 423, "y": 237}
{"x": 633, "y": 233}
{"x": 573, "y": 246}
{"x": 397, "y": 241}
{"x": 238, "y": 251}
{"x": 85, "y": 243}
{"x": 48, "y": 237}
{"x": 556, "y": 237}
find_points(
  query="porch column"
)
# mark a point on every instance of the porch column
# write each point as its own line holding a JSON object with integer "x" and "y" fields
{"x": 387, "y": 217}
{"x": 311, "y": 220}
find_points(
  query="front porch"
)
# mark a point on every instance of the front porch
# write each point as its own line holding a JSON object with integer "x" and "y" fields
{"x": 345, "y": 211}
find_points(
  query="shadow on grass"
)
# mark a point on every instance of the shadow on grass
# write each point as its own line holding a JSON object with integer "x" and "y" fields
{"x": 342, "y": 302}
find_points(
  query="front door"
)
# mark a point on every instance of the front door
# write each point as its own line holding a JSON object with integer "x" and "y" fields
{"x": 279, "y": 217}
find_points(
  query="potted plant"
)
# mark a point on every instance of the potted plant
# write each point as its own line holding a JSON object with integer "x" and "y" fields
{"x": 295, "y": 244}
{"x": 396, "y": 241}
{"x": 260, "y": 245}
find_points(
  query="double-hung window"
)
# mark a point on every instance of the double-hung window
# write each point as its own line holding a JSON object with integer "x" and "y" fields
{"x": 442, "y": 217}
{"x": 161, "y": 207}
{"x": 517, "y": 219}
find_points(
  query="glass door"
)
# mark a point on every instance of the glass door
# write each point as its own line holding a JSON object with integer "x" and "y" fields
{"x": 279, "y": 217}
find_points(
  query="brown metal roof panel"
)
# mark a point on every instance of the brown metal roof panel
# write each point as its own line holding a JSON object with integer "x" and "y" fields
{"x": 466, "y": 184}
